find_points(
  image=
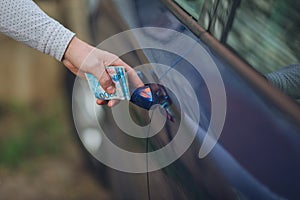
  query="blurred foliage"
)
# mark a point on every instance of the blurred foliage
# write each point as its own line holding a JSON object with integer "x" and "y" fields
{"x": 38, "y": 156}
{"x": 28, "y": 132}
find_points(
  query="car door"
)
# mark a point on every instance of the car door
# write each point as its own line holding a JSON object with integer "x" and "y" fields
{"x": 255, "y": 156}
{"x": 252, "y": 132}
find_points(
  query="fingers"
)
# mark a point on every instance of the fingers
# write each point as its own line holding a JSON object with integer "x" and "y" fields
{"x": 119, "y": 62}
{"x": 110, "y": 103}
{"x": 134, "y": 79}
{"x": 101, "y": 102}
{"x": 99, "y": 70}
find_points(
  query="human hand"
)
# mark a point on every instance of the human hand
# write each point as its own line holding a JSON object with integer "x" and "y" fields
{"x": 81, "y": 58}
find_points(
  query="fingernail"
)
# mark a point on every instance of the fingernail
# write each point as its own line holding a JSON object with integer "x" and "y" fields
{"x": 111, "y": 89}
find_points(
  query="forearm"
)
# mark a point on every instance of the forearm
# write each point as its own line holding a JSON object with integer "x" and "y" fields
{"x": 24, "y": 21}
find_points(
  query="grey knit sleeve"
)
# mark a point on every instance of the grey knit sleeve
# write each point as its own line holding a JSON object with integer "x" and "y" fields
{"x": 287, "y": 79}
{"x": 24, "y": 21}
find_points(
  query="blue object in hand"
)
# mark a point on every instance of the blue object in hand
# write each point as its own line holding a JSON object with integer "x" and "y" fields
{"x": 151, "y": 94}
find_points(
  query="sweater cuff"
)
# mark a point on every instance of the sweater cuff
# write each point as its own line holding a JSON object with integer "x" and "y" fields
{"x": 58, "y": 41}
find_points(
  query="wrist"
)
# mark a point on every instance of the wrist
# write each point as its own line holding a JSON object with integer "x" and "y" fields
{"x": 77, "y": 51}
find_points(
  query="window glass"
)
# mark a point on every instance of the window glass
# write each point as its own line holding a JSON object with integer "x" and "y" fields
{"x": 266, "y": 33}
{"x": 263, "y": 32}
{"x": 193, "y": 7}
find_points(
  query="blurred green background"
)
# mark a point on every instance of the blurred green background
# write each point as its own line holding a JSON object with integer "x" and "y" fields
{"x": 39, "y": 154}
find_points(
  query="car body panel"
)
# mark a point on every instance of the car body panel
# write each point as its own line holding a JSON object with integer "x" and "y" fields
{"x": 256, "y": 156}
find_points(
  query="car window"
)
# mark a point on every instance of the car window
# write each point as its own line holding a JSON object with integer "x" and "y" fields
{"x": 265, "y": 33}
{"x": 191, "y": 6}
{"x": 262, "y": 32}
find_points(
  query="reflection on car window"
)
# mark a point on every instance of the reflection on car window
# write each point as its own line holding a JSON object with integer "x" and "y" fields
{"x": 265, "y": 33}
{"x": 193, "y": 7}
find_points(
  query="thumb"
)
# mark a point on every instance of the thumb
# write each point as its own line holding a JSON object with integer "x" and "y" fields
{"x": 106, "y": 83}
